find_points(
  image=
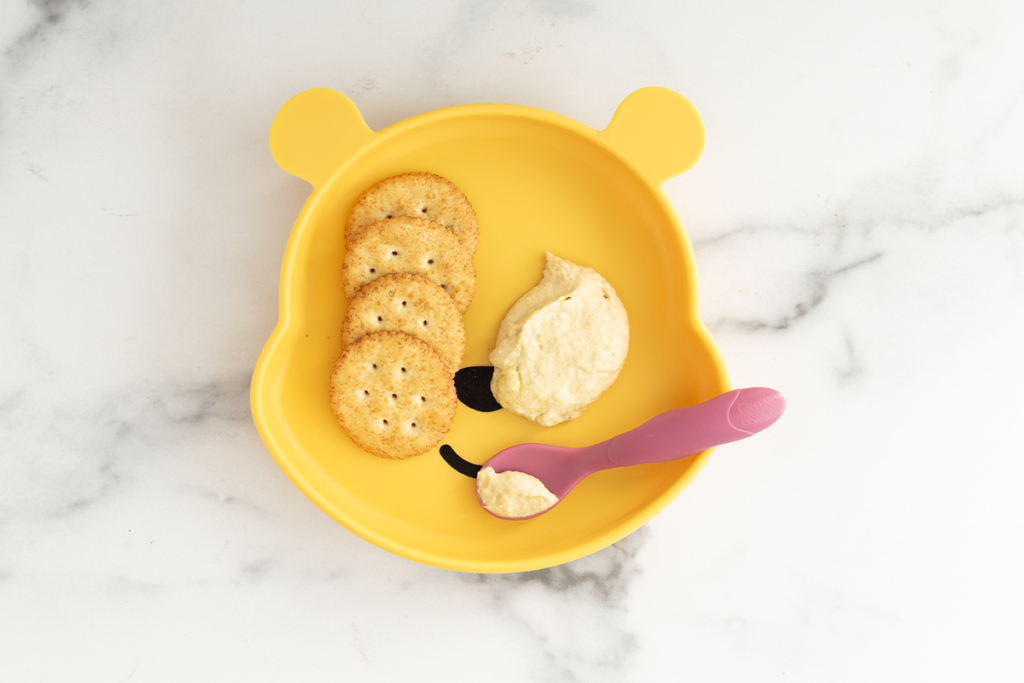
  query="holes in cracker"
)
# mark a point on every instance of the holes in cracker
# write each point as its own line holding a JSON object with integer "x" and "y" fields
{"x": 394, "y": 397}
{"x": 374, "y": 366}
{"x": 394, "y": 253}
{"x": 424, "y": 323}
{"x": 373, "y": 270}
{"x": 384, "y": 422}
{"x": 366, "y": 392}
{"x": 423, "y": 399}
{"x": 403, "y": 370}
{"x": 430, "y": 261}
{"x": 423, "y": 209}
{"x": 413, "y": 425}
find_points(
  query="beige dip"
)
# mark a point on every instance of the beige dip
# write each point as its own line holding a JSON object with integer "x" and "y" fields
{"x": 513, "y": 494}
{"x": 560, "y": 346}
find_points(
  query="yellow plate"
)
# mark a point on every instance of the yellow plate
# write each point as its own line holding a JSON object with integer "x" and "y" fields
{"x": 539, "y": 182}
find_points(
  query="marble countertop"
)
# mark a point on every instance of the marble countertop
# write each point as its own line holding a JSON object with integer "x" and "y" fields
{"x": 858, "y": 224}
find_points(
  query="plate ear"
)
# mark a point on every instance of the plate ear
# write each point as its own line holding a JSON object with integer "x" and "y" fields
{"x": 658, "y": 131}
{"x": 315, "y": 132}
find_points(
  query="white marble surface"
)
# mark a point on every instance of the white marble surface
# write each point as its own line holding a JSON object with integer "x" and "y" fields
{"x": 858, "y": 220}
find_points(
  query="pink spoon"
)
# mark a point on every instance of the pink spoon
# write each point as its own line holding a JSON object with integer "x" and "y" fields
{"x": 670, "y": 436}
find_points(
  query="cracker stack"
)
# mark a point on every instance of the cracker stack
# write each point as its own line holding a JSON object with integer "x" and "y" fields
{"x": 408, "y": 274}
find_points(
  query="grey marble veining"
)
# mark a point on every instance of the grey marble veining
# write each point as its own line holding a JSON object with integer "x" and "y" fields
{"x": 600, "y": 584}
{"x": 46, "y": 18}
{"x": 858, "y": 226}
{"x": 91, "y": 449}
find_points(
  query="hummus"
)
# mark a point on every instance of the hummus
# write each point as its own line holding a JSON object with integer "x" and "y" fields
{"x": 560, "y": 346}
{"x": 513, "y": 494}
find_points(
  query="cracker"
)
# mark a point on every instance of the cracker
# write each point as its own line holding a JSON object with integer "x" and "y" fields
{"x": 410, "y": 245}
{"x": 403, "y": 302}
{"x": 393, "y": 395}
{"x": 420, "y": 195}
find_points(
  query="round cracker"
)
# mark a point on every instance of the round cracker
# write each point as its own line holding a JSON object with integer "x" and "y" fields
{"x": 417, "y": 195}
{"x": 410, "y": 245}
{"x": 403, "y": 302}
{"x": 393, "y": 395}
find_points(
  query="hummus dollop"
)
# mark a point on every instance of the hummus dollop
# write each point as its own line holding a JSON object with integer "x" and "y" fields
{"x": 560, "y": 346}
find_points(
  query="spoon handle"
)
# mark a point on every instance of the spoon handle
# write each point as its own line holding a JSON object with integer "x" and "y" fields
{"x": 685, "y": 431}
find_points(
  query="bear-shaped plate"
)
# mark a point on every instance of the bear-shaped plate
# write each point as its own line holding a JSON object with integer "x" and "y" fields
{"x": 539, "y": 182}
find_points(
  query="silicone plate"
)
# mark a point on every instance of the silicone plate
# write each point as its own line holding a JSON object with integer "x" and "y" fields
{"x": 539, "y": 182}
